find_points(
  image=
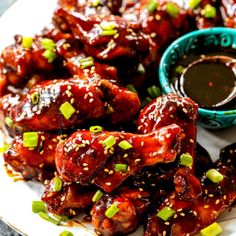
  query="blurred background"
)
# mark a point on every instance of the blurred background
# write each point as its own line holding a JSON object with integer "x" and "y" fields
{"x": 4, "y": 229}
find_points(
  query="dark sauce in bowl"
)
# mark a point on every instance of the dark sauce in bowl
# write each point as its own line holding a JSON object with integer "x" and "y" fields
{"x": 206, "y": 82}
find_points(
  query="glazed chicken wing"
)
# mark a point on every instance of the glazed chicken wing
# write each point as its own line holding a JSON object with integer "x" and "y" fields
{"x": 43, "y": 107}
{"x": 199, "y": 208}
{"x": 86, "y": 156}
{"x": 38, "y": 162}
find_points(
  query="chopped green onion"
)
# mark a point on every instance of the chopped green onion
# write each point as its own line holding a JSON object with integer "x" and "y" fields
{"x": 86, "y": 59}
{"x": 121, "y": 167}
{"x": 96, "y": 3}
{"x": 38, "y": 206}
{"x": 96, "y": 129}
{"x": 48, "y": 44}
{"x": 141, "y": 68}
{"x": 97, "y": 196}
{"x": 86, "y": 62}
{"x": 112, "y": 210}
{"x": 154, "y": 91}
{"x": 179, "y": 69}
{"x": 211, "y": 230}
{"x": 109, "y": 32}
{"x": 46, "y": 217}
{"x": 172, "y": 9}
{"x": 4, "y": 148}
{"x": 35, "y": 98}
{"x": 125, "y": 145}
{"x": 131, "y": 88}
{"x": 30, "y": 139}
{"x": 214, "y": 175}
{"x": 109, "y": 142}
{"x": 152, "y": 5}
{"x": 8, "y": 121}
{"x": 67, "y": 110}
{"x": 50, "y": 55}
{"x": 209, "y": 11}
{"x": 166, "y": 213}
{"x": 66, "y": 233}
{"x": 194, "y": 3}
{"x": 27, "y": 42}
{"x": 57, "y": 184}
{"x": 186, "y": 160}
{"x": 146, "y": 101}
{"x": 107, "y": 26}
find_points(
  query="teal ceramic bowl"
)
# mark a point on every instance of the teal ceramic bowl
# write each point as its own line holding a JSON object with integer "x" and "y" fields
{"x": 214, "y": 37}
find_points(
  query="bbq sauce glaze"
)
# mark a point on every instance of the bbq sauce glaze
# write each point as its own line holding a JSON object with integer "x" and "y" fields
{"x": 206, "y": 82}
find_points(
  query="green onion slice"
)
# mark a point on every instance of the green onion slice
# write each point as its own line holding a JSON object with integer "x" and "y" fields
{"x": 172, "y": 9}
{"x": 48, "y": 218}
{"x": 166, "y": 213}
{"x": 8, "y": 121}
{"x": 57, "y": 184}
{"x": 194, "y": 3}
{"x": 96, "y": 129}
{"x": 179, "y": 69}
{"x": 97, "y": 196}
{"x": 107, "y": 26}
{"x": 30, "y": 139}
{"x": 27, "y": 42}
{"x": 186, "y": 160}
{"x": 109, "y": 142}
{"x": 146, "y": 101}
{"x": 154, "y": 91}
{"x": 4, "y": 148}
{"x": 131, "y": 88}
{"x": 214, "y": 175}
{"x": 66, "y": 233}
{"x": 109, "y": 32}
{"x": 38, "y": 206}
{"x": 121, "y": 167}
{"x": 86, "y": 62}
{"x": 111, "y": 211}
{"x": 152, "y": 5}
{"x": 125, "y": 145}
{"x": 209, "y": 11}
{"x": 50, "y": 55}
{"x": 67, "y": 110}
{"x": 48, "y": 44}
{"x": 211, "y": 230}
{"x": 35, "y": 98}
{"x": 96, "y": 3}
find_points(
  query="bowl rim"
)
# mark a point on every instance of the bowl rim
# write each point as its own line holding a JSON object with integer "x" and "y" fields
{"x": 164, "y": 82}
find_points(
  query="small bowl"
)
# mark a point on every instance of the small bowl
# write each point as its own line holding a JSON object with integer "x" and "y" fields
{"x": 217, "y": 37}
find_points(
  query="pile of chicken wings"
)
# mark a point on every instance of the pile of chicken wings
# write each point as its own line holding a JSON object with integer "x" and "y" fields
{"x": 67, "y": 89}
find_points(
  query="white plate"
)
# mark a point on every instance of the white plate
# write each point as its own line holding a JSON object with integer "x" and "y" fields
{"x": 28, "y": 17}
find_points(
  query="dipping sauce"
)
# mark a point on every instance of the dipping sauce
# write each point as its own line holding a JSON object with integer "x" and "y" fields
{"x": 207, "y": 82}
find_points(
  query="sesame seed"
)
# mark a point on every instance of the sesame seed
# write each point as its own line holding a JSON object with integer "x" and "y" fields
{"x": 63, "y": 198}
{"x": 42, "y": 137}
{"x": 225, "y": 197}
{"x": 164, "y": 233}
{"x": 108, "y": 183}
{"x": 175, "y": 216}
{"x": 137, "y": 160}
{"x": 182, "y": 214}
{"x": 206, "y": 206}
{"x": 85, "y": 164}
{"x": 167, "y": 223}
{"x": 217, "y": 201}
{"x": 210, "y": 195}
{"x": 86, "y": 168}
{"x": 106, "y": 170}
{"x": 111, "y": 172}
